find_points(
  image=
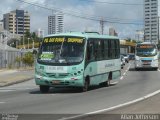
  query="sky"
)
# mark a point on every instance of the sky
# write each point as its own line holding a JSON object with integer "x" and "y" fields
{"x": 111, "y": 11}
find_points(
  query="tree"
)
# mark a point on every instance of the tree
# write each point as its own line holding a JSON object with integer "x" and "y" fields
{"x": 27, "y": 34}
{"x": 28, "y": 59}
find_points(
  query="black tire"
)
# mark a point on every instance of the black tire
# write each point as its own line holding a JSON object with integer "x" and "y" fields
{"x": 105, "y": 84}
{"x": 44, "y": 89}
{"x": 108, "y": 82}
{"x": 155, "y": 69}
{"x": 86, "y": 86}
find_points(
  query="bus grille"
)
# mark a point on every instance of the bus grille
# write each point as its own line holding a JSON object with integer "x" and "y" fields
{"x": 146, "y": 61}
{"x": 58, "y": 75}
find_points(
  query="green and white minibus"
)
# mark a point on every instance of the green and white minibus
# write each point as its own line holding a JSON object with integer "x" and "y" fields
{"x": 77, "y": 59}
{"x": 146, "y": 55}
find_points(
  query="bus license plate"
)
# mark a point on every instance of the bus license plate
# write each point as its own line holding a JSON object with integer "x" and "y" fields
{"x": 146, "y": 63}
{"x": 55, "y": 82}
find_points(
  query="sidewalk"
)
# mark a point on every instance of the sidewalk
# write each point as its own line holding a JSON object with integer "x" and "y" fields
{"x": 13, "y": 76}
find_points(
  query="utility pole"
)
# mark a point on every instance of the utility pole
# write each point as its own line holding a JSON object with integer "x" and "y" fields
{"x": 158, "y": 31}
{"x": 102, "y": 25}
{"x": 28, "y": 42}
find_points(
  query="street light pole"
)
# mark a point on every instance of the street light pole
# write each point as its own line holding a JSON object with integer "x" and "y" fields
{"x": 158, "y": 31}
{"x": 33, "y": 44}
{"x": 23, "y": 42}
{"x": 151, "y": 34}
{"x": 28, "y": 43}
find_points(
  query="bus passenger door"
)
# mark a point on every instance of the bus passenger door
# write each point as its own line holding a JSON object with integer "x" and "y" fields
{"x": 90, "y": 56}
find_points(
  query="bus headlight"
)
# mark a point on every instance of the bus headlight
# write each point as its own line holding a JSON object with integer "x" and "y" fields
{"x": 38, "y": 72}
{"x": 138, "y": 61}
{"x": 156, "y": 60}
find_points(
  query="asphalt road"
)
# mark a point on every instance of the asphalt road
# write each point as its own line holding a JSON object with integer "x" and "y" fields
{"x": 25, "y": 98}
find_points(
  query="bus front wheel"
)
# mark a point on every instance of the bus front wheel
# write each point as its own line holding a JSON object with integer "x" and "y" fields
{"x": 155, "y": 69}
{"x": 44, "y": 89}
{"x": 86, "y": 86}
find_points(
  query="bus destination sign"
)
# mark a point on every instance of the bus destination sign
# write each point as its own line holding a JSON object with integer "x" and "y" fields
{"x": 145, "y": 46}
{"x": 62, "y": 39}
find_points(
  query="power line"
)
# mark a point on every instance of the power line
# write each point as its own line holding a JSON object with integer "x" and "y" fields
{"x": 88, "y": 17}
{"x": 117, "y": 3}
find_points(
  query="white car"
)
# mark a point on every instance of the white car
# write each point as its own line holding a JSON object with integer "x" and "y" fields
{"x": 126, "y": 57}
{"x": 122, "y": 61}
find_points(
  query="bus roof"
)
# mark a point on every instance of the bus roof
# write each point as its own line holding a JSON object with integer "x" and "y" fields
{"x": 84, "y": 34}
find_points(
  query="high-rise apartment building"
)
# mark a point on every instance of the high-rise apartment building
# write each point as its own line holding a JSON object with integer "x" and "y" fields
{"x": 1, "y": 25}
{"x": 40, "y": 33}
{"x": 151, "y": 20}
{"x": 17, "y": 22}
{"x": 55, "y": 23}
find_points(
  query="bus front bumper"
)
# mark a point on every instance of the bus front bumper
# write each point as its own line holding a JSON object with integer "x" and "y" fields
{"x": 59, "y": 82}
{"x": 139, "y": 64}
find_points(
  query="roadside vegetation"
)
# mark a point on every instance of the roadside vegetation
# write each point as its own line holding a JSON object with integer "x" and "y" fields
{"x": 27, "y": 59}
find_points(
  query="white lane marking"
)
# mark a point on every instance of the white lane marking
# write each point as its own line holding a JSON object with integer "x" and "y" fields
{"x": 2, "y": 102}
{"x": 15, "y": 89}
{"x": 121, "y": 78}
{"x": 114, "y": 107}
{"x": 21, "y": 88}
{"x": 6, "y": 90}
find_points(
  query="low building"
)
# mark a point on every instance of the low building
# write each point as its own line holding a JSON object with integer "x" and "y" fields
{"x": 112, "y": 32}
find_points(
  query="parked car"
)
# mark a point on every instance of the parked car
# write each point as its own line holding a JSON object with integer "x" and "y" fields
{"x": 131, "y": 56}
{"x": 126, "y": 57}
{"x": 122, "y": 61}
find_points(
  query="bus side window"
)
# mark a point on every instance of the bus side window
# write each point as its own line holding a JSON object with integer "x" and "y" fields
{"x": 117, "y": 48}
{"x": 96, "y": 49}
{"x": 90, "y": 53}
{"x": 113, "y": 49}
{"x": 109, "y": 49}
{"x": 106, "y": 49}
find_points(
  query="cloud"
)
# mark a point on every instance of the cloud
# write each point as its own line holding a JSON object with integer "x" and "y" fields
{"x": 82, "y": 8}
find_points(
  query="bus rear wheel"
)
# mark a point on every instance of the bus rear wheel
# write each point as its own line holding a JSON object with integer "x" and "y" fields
{"x": 108, "y": 82}
{"x": 44, "y": 89}
{"x": 105, "y": 84}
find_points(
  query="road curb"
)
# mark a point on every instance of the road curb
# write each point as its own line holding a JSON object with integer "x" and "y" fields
{"x": 15, "y": 82}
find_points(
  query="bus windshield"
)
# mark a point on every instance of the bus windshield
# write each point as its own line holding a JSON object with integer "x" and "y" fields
{"x": 146, "y": 50}
{"x": 66, "y": 50}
